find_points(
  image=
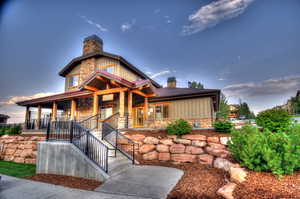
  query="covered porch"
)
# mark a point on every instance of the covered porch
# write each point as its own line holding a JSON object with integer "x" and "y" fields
{"x": 99, "y": 97}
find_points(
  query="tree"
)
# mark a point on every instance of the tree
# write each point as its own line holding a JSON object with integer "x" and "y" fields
{"x": 195, "y": 84}
{"x": 244, "y": 111}
{"x": 224, "y": 108}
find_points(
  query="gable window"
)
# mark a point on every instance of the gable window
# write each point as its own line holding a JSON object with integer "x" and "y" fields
{"x": 73, "y": 81}
{"x": 109, "y": 70}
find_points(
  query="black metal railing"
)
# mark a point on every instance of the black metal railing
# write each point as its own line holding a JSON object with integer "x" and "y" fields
{"x": 92, "y": 122}
{"x": 37, "y": 124}
{"x": 120, "y": 142}
{"x": 75, "y": 133}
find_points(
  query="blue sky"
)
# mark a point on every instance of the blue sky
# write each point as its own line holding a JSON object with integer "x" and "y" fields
{"x": 248, "y": 48}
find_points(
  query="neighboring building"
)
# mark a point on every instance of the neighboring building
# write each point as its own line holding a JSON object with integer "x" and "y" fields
{"x": 233, "y": 110}
{"x": 3, "y": 118}
{"x": 289, "y": 106}
{"x": 103, "y": 83}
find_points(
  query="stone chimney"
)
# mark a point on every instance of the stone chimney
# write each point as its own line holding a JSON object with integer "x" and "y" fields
{"x": 171, "y": 82}
{"x": 92, "y": 44}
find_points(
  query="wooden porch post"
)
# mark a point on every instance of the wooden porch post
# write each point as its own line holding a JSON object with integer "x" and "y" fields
{"x": 39, "y": 115}
{"x": 54, "y": 111}
{"x": 73, "y": 109}
{"x": 129, "y": 104}
{"x": 146, "y": 108}
{"x": 95, "y": 104}
{"x": 27, "y": 115}
{"x": 122, "y": 103}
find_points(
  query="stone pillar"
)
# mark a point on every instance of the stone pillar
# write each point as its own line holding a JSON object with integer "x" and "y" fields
{"x": 54, "y": 111}
{"x": 39, "y": 115}
{"x": 73, "y": 109}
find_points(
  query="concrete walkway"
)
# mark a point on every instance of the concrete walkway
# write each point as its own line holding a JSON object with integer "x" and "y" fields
{"x": 143, "y": 181}
{"x": 139, "y": 182}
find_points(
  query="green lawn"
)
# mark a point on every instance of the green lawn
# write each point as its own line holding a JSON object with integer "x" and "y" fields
{"x": 18, "y": 170}
{"x": 295, "y": 115}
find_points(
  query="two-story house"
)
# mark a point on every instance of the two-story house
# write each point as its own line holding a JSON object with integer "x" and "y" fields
{"x": 101, "y": 83}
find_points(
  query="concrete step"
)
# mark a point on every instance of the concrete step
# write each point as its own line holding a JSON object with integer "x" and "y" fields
{"x": 118, "y": 164}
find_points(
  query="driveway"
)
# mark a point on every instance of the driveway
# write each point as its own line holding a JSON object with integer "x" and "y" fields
{"x": 138, "y": 182}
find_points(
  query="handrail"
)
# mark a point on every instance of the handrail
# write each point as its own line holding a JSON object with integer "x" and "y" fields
{"x": 73, "y": 132}
{"x": 114, "y": 137}
{"x": 91, "y": 122}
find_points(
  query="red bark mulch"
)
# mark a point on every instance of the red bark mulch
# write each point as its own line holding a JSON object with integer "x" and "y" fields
{"x": 67, "y": 181}
{"x": 197, "y": 182}
{"x": 265, "y": 185}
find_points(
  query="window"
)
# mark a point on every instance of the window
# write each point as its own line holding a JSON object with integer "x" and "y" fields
{"x": 109, "y": 70}
{"x": 73, "y": 81}
{"x": 159, "y": 112}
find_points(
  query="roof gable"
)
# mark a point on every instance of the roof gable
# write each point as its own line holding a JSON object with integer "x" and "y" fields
{"x": 128, "y": 65}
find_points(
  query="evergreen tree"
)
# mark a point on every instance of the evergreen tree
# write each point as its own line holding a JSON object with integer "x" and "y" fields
{"x": 195, "y": 84}
{"x": 224, "y": 108}
{"x": 244, "y": 111}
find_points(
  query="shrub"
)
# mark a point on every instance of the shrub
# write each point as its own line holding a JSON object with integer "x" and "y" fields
{"x": 13, "y": 130}
{"x": 274, "y": 120}
{"x": 223, "y": 126}
{"x": 267, "y": 151}
{"x": 179, "y": 128}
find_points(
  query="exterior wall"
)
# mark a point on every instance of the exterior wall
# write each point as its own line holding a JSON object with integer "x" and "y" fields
{"x": 192, "y": 110}
{"x": 75, "y": 71}
{"x": 87, "y": 67}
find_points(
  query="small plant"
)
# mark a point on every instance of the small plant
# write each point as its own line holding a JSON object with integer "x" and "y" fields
{"x": 179, "y": 127}
{"x": 267, "y": 151}
{"x": 275, "y": 120}
{"x": 13, "y": 130}
{"x": 223, "y": 126}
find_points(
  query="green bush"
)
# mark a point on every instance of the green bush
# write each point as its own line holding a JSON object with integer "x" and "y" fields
{"x": 13, "y": 130}
{"x": 223, "y": 126}
{"x": 267, "y": 151}
{"x": 179, "y": 128}
{"x": 274, "y": 120}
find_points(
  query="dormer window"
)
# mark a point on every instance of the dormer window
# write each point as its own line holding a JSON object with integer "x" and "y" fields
{"x": 73, "y": 81}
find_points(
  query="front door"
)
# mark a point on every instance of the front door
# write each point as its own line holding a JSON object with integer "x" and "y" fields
{"x": 138, "y": 117}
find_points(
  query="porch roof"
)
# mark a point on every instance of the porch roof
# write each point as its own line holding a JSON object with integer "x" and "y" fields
{"x": 56, "y": 97}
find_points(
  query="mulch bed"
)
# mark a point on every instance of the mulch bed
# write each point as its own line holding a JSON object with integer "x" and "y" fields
{"x": 163, "y": 134}
{"x": 265, "y": 185}
{"x": 67, "y": 181}
{"x": 198, "y": 181}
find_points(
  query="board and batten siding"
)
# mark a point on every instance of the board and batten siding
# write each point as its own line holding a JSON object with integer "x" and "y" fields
{"x": 190, "y": 108}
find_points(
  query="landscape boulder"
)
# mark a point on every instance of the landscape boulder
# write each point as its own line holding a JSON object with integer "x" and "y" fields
{"x": 222, "y": 163}
{"x": 146, "y": 148}
{"x": 177, "y": 148}
{"x": 237, "y": 175}
{"x": 151, "y": 140}
{"x": 150, "y": 156}
{"x": 227, "y": 190}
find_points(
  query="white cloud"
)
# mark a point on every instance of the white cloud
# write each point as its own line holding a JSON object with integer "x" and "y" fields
{"x": 14, "y": 99}
{"x": 127, "y": 25}
{"x": 160, "y": 73}
{"x": 277, "y": 86}
{"x": 214, "y": 13}
{"x": 98, "y": 26}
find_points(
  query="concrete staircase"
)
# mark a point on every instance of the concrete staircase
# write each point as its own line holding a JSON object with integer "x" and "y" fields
{"x": 117, "y": 162}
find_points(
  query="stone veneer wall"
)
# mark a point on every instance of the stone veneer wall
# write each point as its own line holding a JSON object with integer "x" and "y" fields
{"x": 189, "y": 148}
{"x": 19, "y": 149}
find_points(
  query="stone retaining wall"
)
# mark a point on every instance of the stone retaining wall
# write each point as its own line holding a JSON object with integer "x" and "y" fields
{"x": 21, "y": 149}
{"x": 189, "y": 148}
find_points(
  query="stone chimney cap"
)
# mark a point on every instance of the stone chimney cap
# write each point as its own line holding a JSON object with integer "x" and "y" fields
{"x": 94, "y": 38}
{"x": 171, "y": 79}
